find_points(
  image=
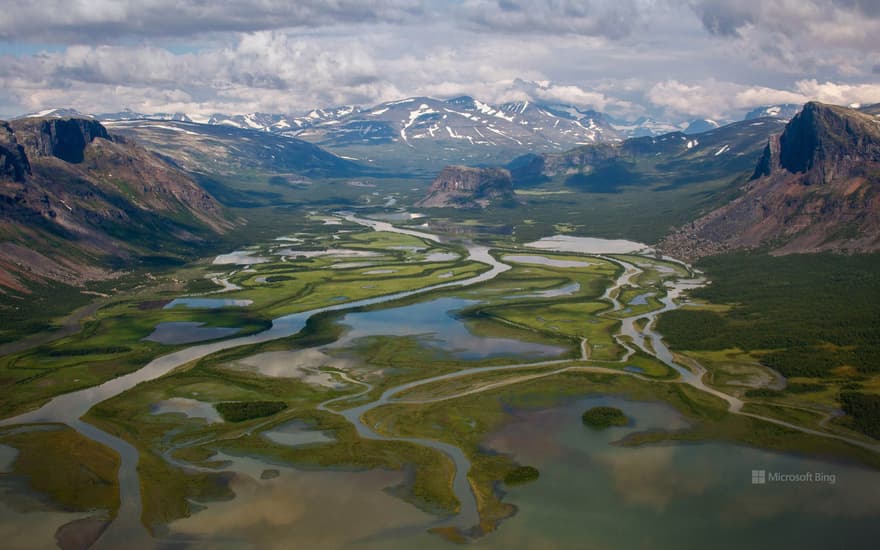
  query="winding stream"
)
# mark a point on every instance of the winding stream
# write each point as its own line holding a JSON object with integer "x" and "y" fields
{"x": 127, "y": 529}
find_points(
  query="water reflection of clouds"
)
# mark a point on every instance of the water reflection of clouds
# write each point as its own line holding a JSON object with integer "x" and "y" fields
{"x": 187, "y": 332}
{"x": 544, "y": 260}
{"x": 434, "y": 320}
{"x": 302, "y": 364}
{"x": 532, "y": 435}
{"x": 302, "y": 510}
{"x": 649, "y": 476}
{"x": 856, "y": 494}
{"x": 27, "y": 522}
{"x": 191, "y": 408}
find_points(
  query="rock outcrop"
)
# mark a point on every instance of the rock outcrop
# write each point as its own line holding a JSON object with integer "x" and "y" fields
{"x": 466, "y": 187}
{"x": 14, "y": 163}
{"x": 63, "y": 138}
{"x": 816, "y": 188}
{"x": 75, "y": 199}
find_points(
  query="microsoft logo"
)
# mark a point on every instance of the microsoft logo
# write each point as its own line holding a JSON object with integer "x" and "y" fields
{"x": 759, "y": 477}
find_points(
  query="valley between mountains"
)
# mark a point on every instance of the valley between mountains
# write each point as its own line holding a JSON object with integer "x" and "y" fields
{"x": 226, "y": 331}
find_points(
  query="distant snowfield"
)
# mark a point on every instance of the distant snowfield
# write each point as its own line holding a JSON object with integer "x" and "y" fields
{"x": 587, "y": 245}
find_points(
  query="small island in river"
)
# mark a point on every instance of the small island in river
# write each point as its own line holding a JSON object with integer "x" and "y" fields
{"x": 600, "y": 418}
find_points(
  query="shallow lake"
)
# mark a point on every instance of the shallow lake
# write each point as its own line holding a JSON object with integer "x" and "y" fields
{"x": 186, "y": 332}
{"x": 191, "y": 408}
{"x": 591, "y": 494}
{"x": 587, "y": 245}
{"x": 207, "y": 303}
{"x": 296, "y": 433}
{"x": 543, "y": 260}
{"x": 595, "y": 495}
{"x": 239, "y": 257}
{"x": 303, "y": 509}
{"x": 7, "y": 458}
{"x": 304, "y": 364}
{"x": 396, "y": 216}
{"x": 436, "y": 321}
{"x": 565, "y": 290}
{"x": 441, "y": 257}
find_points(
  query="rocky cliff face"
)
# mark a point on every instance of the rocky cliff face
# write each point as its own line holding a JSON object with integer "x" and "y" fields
{"x": 825, "y": 143}
{"x": 72, "y": 197}
{"x": 816, "y": 188}
{"x": 14, "y": 163}
{"x": 465, "y": 187}
{"x": 63, "y": 138}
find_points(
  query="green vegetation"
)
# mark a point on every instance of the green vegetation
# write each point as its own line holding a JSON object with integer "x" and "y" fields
{"x": 864, "y": 410}
{"x": 811, "y": 314}
{"x": 111, "y": 341}
{"x": 519, "y": 304}
{"x": 600, "y": 418}
{"x": 795, "y": 387}
{"x": 96, "y": 353}
{"x": 239, "y": 411}
{"x": 573, "y": 316}
{"x": 521, "y": 474}
{"x": 73, "y": 471}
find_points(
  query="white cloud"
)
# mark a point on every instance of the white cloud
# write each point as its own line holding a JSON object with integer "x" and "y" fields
{"x": 714, "y": 99}
{"x": 631, "y": 57}
{"x": 840, "y": 94}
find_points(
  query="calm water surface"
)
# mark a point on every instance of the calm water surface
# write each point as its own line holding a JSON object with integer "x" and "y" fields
{"x": 437, "y": 322}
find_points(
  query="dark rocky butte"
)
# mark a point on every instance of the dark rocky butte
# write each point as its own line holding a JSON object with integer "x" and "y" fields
{"x": 814, "y": 189}
{"x": 466, "y": 187}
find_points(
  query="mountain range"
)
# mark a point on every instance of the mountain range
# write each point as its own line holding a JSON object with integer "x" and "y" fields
{"x": 675, "y": 158}
{"x": 81, "y": 200}
{"x": 424, "y": 133}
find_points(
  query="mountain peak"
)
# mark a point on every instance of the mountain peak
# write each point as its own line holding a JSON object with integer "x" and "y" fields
{"x": 823, "y": 142}
{"x": 814, "y": 189}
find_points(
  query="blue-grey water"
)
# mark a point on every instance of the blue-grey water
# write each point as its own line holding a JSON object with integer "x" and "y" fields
{"x": 437, "y": 322}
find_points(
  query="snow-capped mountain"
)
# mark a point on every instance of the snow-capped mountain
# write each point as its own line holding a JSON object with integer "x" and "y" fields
{"x": 56, "y": 113}
{"x": 700, "y": 125}
{"x": 428, "y": 131}
{"x": 413, "y": 122}
{"x": 644, "y": 127}
{"x": 785, "y": 111}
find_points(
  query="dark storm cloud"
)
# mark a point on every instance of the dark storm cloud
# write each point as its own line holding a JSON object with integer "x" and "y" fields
{"x": 584, "y": 17}
{"x": 96, "y": 21}
{"x": 832, "y": 21}
{"x": 867, "y": 7}
{"x": 723, "y": 18}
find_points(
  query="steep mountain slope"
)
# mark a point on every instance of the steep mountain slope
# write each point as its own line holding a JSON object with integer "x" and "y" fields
{"x": 221, "y": 149}
{"x": 77, "y": 202}
{"x": 466, "y": 187}
{"x": 816, "y": 187}
{"x": 675, "y": 158}
{"x": 785, "y": 111}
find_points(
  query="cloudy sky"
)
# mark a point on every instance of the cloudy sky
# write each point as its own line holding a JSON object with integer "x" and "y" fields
{"x": 673, "y": 59}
